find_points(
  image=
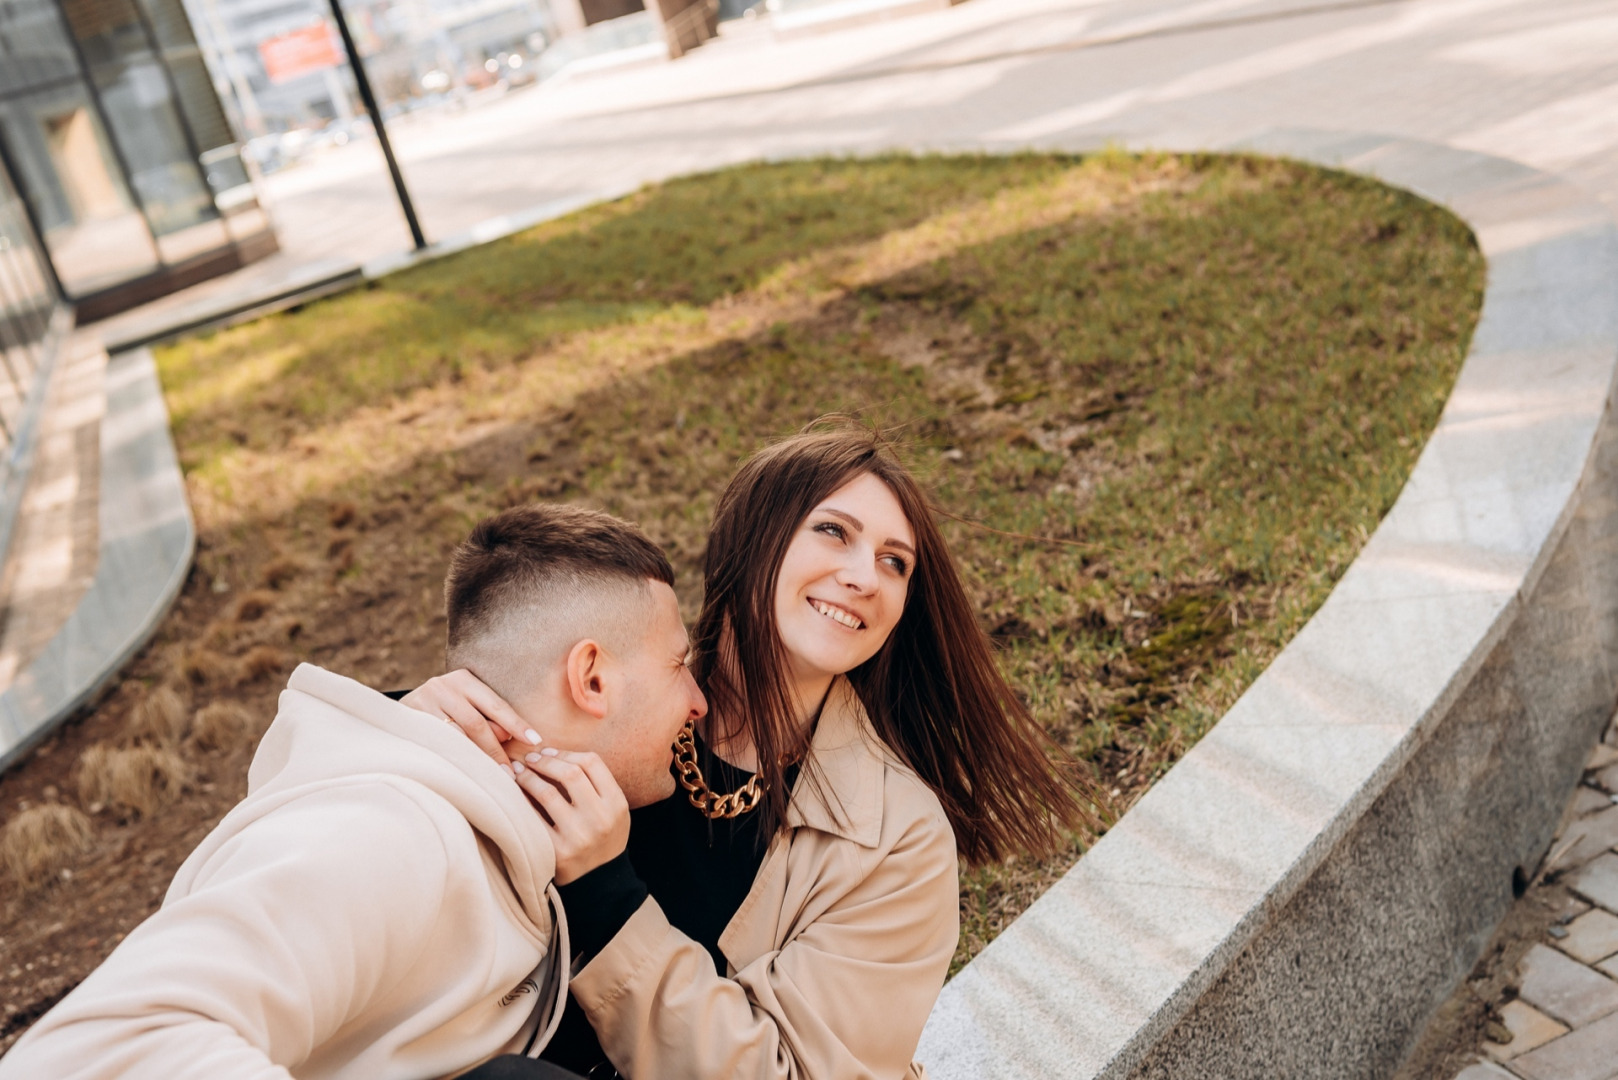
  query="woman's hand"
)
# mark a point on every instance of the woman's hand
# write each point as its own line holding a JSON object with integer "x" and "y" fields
{"x": 482, "y": 715}
{"x": 584, "y": 807}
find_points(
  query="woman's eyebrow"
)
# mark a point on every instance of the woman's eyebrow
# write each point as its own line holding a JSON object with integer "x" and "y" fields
{"x": 859, "y": 526}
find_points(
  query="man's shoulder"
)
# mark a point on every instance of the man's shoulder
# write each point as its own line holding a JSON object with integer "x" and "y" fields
{"x": 354, "y": 827}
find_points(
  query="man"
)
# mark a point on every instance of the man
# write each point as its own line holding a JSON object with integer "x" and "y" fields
{"x": 380, "y": 905}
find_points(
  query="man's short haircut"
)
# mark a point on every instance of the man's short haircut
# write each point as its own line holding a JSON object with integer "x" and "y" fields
{"x": 529, "y": 556}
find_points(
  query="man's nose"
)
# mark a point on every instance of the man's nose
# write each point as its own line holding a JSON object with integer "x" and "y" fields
{"x": 699, "y": 703}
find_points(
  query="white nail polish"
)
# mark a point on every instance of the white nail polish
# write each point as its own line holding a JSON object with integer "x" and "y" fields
{"x": 533, "y": 759}
{"x": 516, "y": 767}
{"x": 532, "y": 736}
{"x": 549, "y": 752}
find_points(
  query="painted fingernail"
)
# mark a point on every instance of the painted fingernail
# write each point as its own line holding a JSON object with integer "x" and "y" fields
{"x": 532, "y": 736}
{"x": 549, "y": 751}
{"x": 533, "y": 759}
{"x": 516, "y": 767}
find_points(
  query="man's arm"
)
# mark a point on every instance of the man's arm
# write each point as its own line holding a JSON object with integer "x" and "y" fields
{"x": 288, "y": 929}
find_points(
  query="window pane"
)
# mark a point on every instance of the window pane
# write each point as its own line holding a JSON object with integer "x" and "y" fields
{"x": 23, "y": 264}
{"x": 34, "y": 48}
{"x": 97, "y": 238}
{"x": 142, "y": 114}
{"x": 199, "y": 102}
{"x": 24, "y": 310}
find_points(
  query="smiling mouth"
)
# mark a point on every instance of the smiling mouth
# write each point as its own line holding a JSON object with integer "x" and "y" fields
{"x": 837, "y": 615}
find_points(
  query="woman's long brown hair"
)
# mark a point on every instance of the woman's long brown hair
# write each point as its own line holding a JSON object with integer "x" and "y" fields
{"x": 933, "y": 691}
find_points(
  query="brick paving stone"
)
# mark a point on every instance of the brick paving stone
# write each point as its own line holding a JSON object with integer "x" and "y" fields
{"x": 1483, "y": 1070}
{"x": 1588, "y": 837}
{"x": 1529, "y": 1029}
{"x": 1601, "y": 757}
{"x": 1609, "y": 966}
{"x": 1608, "y": 778}
{"x": 1598, "y": 882}
{"x": 1589, "y": 800}
{"x": 56, "y": 545}
{"x": 1565, "y": 989}
{"x": 1592, "y": 936}
{"x": 1590, "y": 1053}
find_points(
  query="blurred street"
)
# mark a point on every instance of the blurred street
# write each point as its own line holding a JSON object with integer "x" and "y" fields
{"x": 1533, "y": 80}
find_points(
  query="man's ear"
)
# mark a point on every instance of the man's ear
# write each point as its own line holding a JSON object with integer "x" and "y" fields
{"x": 586, "y": 677}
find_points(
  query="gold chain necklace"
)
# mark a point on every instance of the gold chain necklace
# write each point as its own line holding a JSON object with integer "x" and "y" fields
{"x": 689, "y": 773}
{"x": 733, "y": 804}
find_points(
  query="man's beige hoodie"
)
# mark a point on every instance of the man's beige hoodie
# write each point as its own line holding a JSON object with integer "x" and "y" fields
{"x": 379, "y": 907}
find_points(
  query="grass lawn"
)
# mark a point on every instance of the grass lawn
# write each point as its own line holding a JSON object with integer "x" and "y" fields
{"x": 1192, "y": 385}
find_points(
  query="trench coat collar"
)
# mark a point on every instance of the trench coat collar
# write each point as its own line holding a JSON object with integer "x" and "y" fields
{"x": 851, "y": 763}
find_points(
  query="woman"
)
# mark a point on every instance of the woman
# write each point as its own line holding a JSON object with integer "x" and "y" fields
{"x": 803, "y": 888}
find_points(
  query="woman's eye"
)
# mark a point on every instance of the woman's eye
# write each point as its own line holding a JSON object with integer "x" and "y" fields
{"x": 830, "y": 528}
{"x": 898, "y": 564}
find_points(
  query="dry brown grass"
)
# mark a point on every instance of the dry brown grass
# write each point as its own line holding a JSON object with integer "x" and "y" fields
{"x": 254, "y": 605}
{"x": 138, "y": 779}
{"x": 40, "y": 843}
{"x": 263, "y": 660}
{"x": 278, "y": 572}
{"x": 221, "y": 724}
{"x": 161, "y": 717}
{"x": 203, "y": 666}
{"x": 1208, "y": 376}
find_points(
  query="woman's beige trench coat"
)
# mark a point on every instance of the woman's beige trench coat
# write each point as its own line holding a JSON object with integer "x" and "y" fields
{"x": 836, "y": 956}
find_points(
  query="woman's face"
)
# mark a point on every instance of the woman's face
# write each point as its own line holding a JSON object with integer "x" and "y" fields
{"x": 842, "y": 585}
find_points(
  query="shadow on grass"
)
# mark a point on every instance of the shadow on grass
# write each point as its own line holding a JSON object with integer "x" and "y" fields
{"x": 1205, "y": 395}
{"x": 683, "y": 244}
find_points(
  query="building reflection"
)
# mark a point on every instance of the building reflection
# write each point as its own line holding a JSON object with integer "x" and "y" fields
{"x": 33, "y": 322}
{"x": 111, "y": 131}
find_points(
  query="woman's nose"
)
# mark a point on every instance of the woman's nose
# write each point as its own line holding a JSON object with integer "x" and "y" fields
{"x": 859, "y": 572}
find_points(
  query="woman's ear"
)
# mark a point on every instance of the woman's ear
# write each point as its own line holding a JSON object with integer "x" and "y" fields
{"x": 586, "y": 677}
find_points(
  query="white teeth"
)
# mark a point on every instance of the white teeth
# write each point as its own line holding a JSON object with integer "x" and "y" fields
{"x": 836, "y": 615}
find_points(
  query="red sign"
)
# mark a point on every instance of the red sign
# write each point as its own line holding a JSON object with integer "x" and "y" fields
{"x": 300, "y": 52}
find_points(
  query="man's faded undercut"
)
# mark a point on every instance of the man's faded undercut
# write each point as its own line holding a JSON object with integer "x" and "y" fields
{"x": 531, "y": 571}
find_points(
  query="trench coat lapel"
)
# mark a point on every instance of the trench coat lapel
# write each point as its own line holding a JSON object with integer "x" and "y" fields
{"x": 848, "y": 761}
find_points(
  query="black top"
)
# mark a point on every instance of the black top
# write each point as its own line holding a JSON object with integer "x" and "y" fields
{"x": 699, "y": 872}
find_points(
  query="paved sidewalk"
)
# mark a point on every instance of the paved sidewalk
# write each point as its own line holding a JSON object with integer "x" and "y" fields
{"x": 1561, "y": 1022}
{"x": 1532, "y": 80}
{"x": 53, "y": 551}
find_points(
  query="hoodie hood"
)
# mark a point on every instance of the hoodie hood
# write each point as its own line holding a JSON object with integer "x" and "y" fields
{"x": 331, "y": 729}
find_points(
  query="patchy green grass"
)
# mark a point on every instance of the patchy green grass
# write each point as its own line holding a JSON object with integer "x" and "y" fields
{"x": 1179, "y": 392}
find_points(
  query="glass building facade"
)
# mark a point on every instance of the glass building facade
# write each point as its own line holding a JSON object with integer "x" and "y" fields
{"x": 113, "y": 135}
{"x": 30, "y": 331}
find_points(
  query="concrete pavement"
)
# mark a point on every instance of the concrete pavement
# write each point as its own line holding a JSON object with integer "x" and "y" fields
{"x": 1531, "y": 80}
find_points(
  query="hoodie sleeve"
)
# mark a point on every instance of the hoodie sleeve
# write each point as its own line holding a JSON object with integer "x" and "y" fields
{"x": 288, "y": 929}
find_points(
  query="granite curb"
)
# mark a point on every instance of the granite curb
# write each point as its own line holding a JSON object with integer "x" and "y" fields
{"x": 1298, "y": 894}
{"x": 146, "y": 542}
